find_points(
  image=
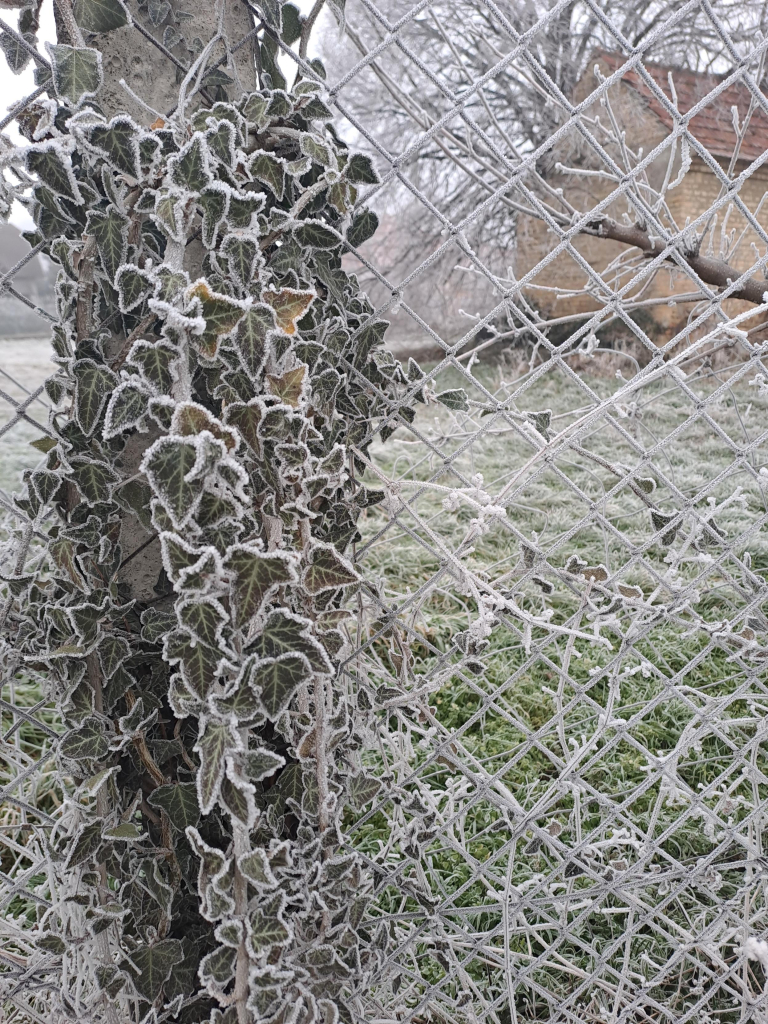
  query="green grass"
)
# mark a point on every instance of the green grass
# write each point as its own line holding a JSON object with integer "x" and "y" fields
{"x": 531, "y": 717}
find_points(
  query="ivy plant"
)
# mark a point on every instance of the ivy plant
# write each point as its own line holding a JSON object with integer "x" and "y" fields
{"x": 216, "y": 366}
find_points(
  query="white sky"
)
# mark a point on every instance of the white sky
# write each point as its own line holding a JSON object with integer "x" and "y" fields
{"x": 15, "y": 87}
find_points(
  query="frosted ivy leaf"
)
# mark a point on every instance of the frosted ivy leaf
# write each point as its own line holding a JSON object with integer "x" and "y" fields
{"x": 76, "y": 71}
{"x": 100, "y": 15}
{"x": 126, "y": 408}
{"x": 315, "y": 234}
{"x": 256, "y": 576}
{"x": 290, "y": 306}
{"x": 52, "y": 164}
{"x": 191, "y": 418}
{"x": 117, "y": 141}
{"x": 327, "y": 570}
{"x": 275, "y": 680}
{"x": 213, "y": 202}
{"x": 154, "y": 360}
{"x": 133, "y": 286}
{"x": 190, "y": 167}
{"x": 94, "y": 383}
{"x": 175, "y": 470}
{"x": 270, "y": 171}
{"x": 217, "y": 740}
{"x": 238, "y": 795}
{"x": 219, "y": 312}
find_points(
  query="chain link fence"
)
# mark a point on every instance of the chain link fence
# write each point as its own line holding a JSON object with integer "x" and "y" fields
{"x": 562, "y": 630}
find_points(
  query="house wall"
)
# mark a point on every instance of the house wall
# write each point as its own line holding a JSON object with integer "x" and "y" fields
{"x": 547, "y": 283}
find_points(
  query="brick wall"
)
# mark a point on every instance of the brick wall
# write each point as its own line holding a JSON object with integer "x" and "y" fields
{"x": 696, "y": 193}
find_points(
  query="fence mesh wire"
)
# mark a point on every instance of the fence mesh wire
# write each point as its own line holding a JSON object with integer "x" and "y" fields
{"x": 562, "y": 628}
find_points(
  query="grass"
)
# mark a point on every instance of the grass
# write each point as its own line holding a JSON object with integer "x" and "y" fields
{"x": 629, "y": 882}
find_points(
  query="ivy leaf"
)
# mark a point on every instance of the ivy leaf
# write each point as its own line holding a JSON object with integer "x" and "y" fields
{"x": 241, "y": 253}
{"x": 113, "y": 651}
{"x": 199, "y": 663}
{"x": 255, "y": 867}
{"x": 47, "y": 162}
{"x": 360, "y": 170}
{"x": 242, "y": 207}
{"x": 286, "y": 633}
{"x": 168, "y": 463}
{"x": 76, "y": 71}
{"x": 289, "y": 306}
{"x": 132, "y": 286}
{"x": 250, "y": 338}
{"x": 100, "y": 15}
{"x": 364, "y": 225}
{"x": 93, "y": 385}
{"x": 126, "y": 831}
{"x": 118, "y": 141}
{"x": 218, "y": 966}
{"x": 362, "y": 789}
{"x": 261, "y": 763}
{"x": 246, "y": 418}
{"x": 189, "y": 168}
{"x": 213, "y": 201}
{"x": 270, "y": 171}
{"x": 257, "y": 576}
{"x": 109, "y": 230}
{"x": 455, "y": 400}
{"x": 267, "y": 927}
{"x": 328, "y": 570}
{"x": 277, "y": 680}
{"x": 126, "y": 409}
{"x": 151, "y": 966}
{"x": 217, "y": 740}
{"x": 179, "y": 802}
{"x": 221, "y": 314}
{"x": 237, "y": 795}
{"x": 204, "y": 620}
{"x": 313, "y": 234}
{"x": 94, "y": 480}
{"x": 43, "y": 444}
{"x": 289, "y": 387}
{"x": 154, "y": 361}
{"x": 86, "y": 843}
{"x": 51, "y": 943}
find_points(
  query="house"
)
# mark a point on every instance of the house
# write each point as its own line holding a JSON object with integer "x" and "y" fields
{"x": 556, "y": 287}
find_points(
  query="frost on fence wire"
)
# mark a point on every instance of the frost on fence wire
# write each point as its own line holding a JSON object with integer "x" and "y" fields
{"x": 544, "y": 563}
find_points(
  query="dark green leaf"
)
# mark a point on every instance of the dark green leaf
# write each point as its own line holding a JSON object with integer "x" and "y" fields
{"x": 93, "y": 385}
{"x": 132, "y": 287}
{"x": 455, "y": 400}
{"x": 362, "y": 789}
{"x": 166, "y": 465}
{"x": 292, "y": 22}
{"x": 328, "y": 570}
{"x": 218, "y": 966}
{"x": 268, "y": 928}
{"x": 216, "y": 742}
{"x": 86, "y": 843}
{"x": 313, "y": 234}
{"x": 179, "y": 802}
{"x": 48, "y": 163}
{"x": 277, "y": 680}
{"x": 198, "y": 662}
{"x": 154, "y": 360}
{"x": 110, "y": 979}
{"x": 119, "y": 142}
{"x": 360, "y": 170}
{"x": 213, "y": 201}
{"x": 51, "y": 943}
{"x": 76, "y": 71}
{"x": 94, "y": 480}
{"x": 250, "y": 338}
{"x": 255, "y": 867}
{"x": 241, "y": 253}
{"x": 151, "y": 966}
{"x": 190, "y": 167}
{"x": 363, "y": 227}
{"x": 257, "y": 576}
{"x": 270, "y": 171}
{"x": 261, "y": 763}
{"x": 100, "y": 15}
{"x": 109, "y": 230}
{"x": 126, "y": 409}
{"x": 113, "y": 651}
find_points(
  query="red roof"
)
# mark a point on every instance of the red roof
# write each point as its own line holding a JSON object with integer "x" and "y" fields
{"x": 713, "y": 126}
